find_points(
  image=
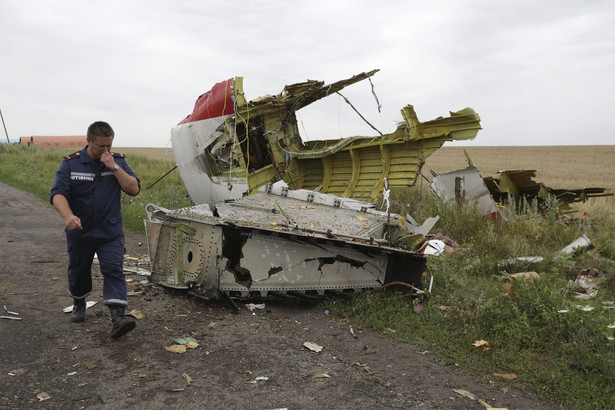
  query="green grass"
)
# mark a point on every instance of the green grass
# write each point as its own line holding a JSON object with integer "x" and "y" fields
{"x": 33, "y": 169}
{"x": 565, "y": 357}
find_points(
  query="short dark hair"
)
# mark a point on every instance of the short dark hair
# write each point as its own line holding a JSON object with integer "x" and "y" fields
{"x": 100, "y": 129}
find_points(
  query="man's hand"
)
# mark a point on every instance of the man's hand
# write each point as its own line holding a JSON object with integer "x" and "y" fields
{"x": 73, "y": 223}
{"x": 107, "y": 159}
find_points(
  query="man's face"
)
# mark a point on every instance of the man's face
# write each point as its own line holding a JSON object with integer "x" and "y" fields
{"x": 99, "y": 145}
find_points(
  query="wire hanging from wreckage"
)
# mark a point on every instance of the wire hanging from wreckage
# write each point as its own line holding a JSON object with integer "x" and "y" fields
{"x": 374, "y": 94}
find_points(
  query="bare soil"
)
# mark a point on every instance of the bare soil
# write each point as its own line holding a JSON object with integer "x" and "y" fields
{"x": 243, "y": 360}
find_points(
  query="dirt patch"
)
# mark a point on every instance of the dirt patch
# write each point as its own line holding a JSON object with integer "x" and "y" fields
{"x": 254, "y": 360}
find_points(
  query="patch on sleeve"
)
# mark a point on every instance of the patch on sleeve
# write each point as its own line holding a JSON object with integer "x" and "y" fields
{"x": 73, "y": 155}
{"x": 118, "y": 155}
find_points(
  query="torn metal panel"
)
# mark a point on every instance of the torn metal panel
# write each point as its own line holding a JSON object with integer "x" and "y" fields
{"x": 280, "y": 263}
{"x": 424, "y": 229}
{"x": 582, "y": 242}
{"x": 277, "y": 242}
{"x": 229, "y": 146}
{"x": 464, "y": 186}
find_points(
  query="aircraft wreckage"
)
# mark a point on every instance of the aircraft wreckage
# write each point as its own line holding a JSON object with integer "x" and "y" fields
{"x": 275, "y": 213}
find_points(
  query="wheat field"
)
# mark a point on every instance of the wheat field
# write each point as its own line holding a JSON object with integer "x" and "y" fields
{"x": 578, "y": 166}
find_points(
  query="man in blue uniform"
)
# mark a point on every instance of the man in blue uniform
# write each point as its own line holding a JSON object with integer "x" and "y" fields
{"x": 86, "y": 193}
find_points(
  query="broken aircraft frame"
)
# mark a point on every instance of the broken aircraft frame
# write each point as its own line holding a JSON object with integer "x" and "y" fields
{"x": 229, "y": 147}
{"x": 310, "y": 230}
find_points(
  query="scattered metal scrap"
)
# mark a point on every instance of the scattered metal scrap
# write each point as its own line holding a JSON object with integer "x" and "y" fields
{"x": 10, "y": 313}
{"x": 579, "y": 244}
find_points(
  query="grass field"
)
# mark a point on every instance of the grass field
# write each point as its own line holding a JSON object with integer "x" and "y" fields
{"x": 159, "y": 154}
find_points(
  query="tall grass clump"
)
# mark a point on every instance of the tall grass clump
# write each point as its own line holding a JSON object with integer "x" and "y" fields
{"x": 558, "y": 345}
{"x": 32, "y": 169}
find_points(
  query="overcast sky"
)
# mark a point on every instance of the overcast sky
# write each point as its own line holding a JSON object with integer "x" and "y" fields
{"x": 537, "y": 72}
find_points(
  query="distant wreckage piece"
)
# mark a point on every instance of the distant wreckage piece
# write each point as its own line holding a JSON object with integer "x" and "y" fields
{"x": 519, "y": 184}
{"x": 468, "y": 186}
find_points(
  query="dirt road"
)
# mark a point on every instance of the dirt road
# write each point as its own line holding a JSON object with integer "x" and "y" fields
{"x": 243, "y": 361}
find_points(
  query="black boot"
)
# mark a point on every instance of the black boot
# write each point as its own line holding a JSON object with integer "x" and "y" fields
{"x": 120, "y": 324}
{"x": 78, "y": 314}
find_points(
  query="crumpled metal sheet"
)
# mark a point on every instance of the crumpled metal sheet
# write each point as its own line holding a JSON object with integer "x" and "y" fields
{"x": 464, "y": 186}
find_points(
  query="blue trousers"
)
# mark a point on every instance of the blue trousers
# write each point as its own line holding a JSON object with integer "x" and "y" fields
{"x": 111, "y": 257}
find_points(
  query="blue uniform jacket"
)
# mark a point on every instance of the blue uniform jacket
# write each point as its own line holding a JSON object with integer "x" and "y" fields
{"x": 93, "y": 194}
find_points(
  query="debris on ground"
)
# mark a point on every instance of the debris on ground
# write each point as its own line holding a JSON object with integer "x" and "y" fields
{"x": 17, "y": 372}
{"x": 190, "y": 342}
{"x": 451, "y": 244}
{"x": 9, "y": 312}
{"x": 589, "y": 280}
{"x": 581, "y": 243}
{"x": 418, "y": 308}
{"x": 10, "y": 317}
{"x": 252, "y": 306}
{"x": 509, "y": 280}
{"x": 472, "y": 396}
{"x": 136, "y": 314}
{"x": 434, "y": 247}
{"x": 521, "y": 259}
{"x": 138, "y": 271}
{"x": 43, "y": 396}
{"x": 176, "y": 348}
{"x": 313, "y": 347}
{"x": 482, "y": 343}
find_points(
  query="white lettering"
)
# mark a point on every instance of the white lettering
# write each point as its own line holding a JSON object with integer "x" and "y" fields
{"x": 81, "y": 176}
